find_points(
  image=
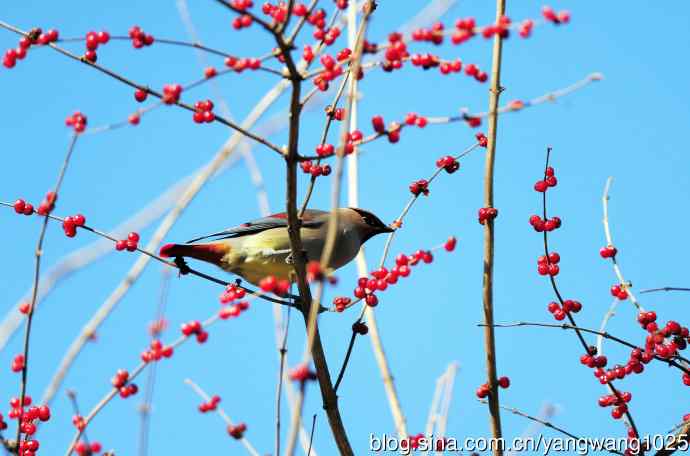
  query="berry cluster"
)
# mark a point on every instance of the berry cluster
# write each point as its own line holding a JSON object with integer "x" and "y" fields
{"x": 87, "y": 449}
{"x": 70, "y": 224}
{"x": 156, "y": 351}
{"x": 236, "y": 431}
{"x": 48, "y": 204}
{"x": 308, "y": 167}
{"x": 382, "y": 277}
{"x": 93, "y": 40}
{"x": 664, "y": 342}
{"x": 22, "y": 207}
{"x": 413, "y": 118}
{"x": 618, "y": 401}
{"x": 231, "y": 293}
{"x": 34, "y": 37}
{"x": 325, "y": 150}
{"x": 270, "y": 284}
{"x": 331, "y": 70}
{"x": 242, "y": 21}
{"x": 562, "y": 17}
{"x": 541, "y": 225}
{"x": 234, "y": 310}
{"x": 171, "y": 93}
{"x": 548, "y": 264}
{"x": 419, "y": 187}
{"x": 484, "y": 390}
{"x": 486, "y": 213}
{"x": 318, "y": 20}
{"x": 241, "y": 64}
{"x": 302, "y": 373}
{"x": 194, "y": 328}
{"x": 279, "y": 12}
{"x": 203, "y": 112}
{"x": 449, "y": 163}
{"x": 139, "y": 37}
{"x": 549, "y": 181}
{"x": 77, "y": 121}
{"x": 130, "y": 244}
{"x": 341, "y": 303}
{"x": 619, "y": 291}
{"x": 121, "y": 381}
{"x": 29, "y": 415}
{"x": 210, "y": 405}
{"x": 569, "y": 305}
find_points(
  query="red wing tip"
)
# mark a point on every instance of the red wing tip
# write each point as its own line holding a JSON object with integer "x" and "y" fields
{"x": 165, "y": 250}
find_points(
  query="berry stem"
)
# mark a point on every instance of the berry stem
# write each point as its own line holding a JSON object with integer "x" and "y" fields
{"x": 607, "y": 231}
{"x": 282, "y": 352}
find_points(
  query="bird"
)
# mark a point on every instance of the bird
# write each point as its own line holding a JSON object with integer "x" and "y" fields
{"x": 261, "y": 248}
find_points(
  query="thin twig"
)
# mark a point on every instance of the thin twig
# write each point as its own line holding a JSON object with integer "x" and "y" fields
{"x": 605, "y": 335}
{"x": 72, "y": 396}
{"x": 653, "y": 290}
{"x": 488, "y": 277}
{"x": 607, "y": 231}
{"x": 145, "y": 406}
{"x": 296, "y": 421}
{"x": 311, "y": 434}
{"x": 224, "y": 416}
{"x": 37, "y": 276}
{"x": 281, "y": 372}
{"x": 607, "y": 316}
{"x": 548, "y": 424}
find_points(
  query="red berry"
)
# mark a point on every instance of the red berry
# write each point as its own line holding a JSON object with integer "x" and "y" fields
{"x": 140, "y": 95}
{"x": 504, "y": 382}
{"x": 378, "y": 124}
{"x": 19, "y": 206}
{"x": 540, "y": 186}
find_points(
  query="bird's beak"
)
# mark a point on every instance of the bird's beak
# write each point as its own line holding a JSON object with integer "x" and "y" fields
{"x": 387, "y": 229}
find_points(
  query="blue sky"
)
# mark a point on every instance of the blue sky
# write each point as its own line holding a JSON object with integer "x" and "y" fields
{"x": 631, "y": 126}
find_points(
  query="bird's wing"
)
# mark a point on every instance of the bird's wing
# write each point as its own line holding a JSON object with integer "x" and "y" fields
{"x": 310, "y": 219}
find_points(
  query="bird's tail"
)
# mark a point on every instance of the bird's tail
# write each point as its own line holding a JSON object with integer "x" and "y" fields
{"x": 212, "y": 252}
